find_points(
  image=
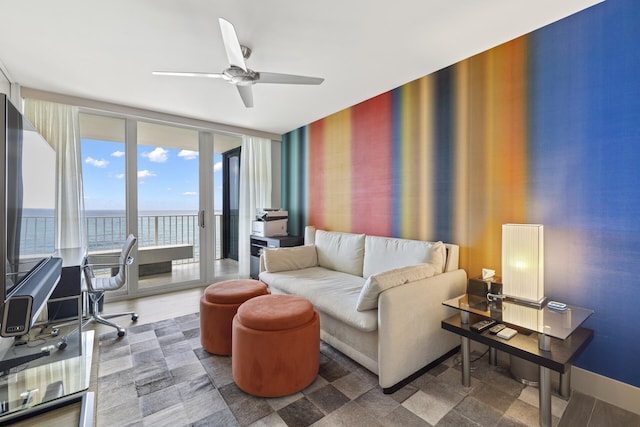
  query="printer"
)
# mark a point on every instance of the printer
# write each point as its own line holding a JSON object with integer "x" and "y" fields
{"x": 270, "y": 222}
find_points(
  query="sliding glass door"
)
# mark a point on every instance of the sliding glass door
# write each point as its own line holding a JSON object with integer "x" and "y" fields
{"x": 165, "y": 184}
{"x": 104, "y": 177}
{"x": 168, "y": 206}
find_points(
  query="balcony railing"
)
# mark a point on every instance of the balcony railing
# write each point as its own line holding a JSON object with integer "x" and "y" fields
{"x": 108, "y": 232}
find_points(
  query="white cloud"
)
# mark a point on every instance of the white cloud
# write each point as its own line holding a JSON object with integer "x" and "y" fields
{"x": 145, "y": 173}
{"x": 190, "y": 193}
{"x": 188, "y": 154}
{"x": 159, "y": 155}
{"x": 95, "y": 162}
{"x": 120, "y": 176}
{"x": 217, "y": 166}
{"x": 117, "y": 154}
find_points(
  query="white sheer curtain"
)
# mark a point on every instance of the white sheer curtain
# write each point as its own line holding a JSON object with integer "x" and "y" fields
{"x": 255, "y": 191}
{"x": 58, "y": 124}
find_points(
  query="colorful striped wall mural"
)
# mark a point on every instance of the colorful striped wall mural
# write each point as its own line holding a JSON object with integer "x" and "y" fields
{"x": 543, "y": 129}
{"x": 397, "y": 164}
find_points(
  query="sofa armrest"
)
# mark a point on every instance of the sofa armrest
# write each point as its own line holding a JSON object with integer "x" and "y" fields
{"x": 262, "y": 268}
{"x": 409, "y": 332}
{"x": 289, "y": 258}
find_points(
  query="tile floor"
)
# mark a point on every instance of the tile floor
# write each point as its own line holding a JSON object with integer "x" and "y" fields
{"x": 142, "y": 381}
{"x": 493, "y": 398}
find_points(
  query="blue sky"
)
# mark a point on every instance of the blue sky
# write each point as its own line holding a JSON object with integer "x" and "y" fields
{"x": 167, "y": 177}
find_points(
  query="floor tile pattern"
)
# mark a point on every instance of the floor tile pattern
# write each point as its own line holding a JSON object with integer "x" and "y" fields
{"x": 158, "y": 374}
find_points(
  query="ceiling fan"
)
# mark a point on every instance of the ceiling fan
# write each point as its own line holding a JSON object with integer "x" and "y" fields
{"x": 238, "y": 74}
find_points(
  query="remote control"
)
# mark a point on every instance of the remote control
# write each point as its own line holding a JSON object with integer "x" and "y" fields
{"x": 557, "y": 305}
{"x": 482, "y": 325}
{"x": 497, "y": 328}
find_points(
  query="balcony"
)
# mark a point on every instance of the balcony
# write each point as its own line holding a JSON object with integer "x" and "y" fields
{"x": 106, "y": 233}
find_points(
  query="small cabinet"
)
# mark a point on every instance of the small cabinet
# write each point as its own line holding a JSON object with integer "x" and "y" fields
{"x": 259, "y": 242}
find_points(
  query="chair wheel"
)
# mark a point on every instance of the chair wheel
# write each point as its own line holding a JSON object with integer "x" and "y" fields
{"x": 134, "y": 317}
{"x": 121, "y": 332}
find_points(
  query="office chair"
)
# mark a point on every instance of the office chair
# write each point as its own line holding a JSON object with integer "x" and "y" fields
{"x": 97, "y": 286}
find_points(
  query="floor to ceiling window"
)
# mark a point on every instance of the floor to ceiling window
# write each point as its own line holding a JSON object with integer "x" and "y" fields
{"x": 104, "y": 183}
{"x": 168, "y": 205}
{"x": 149, "y": 179}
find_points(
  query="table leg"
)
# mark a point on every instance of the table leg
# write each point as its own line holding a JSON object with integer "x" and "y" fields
{"x": 464, "y": 317}
{"x": 545, "y": 397}
{"x": 493, "y": 356}
{"x": 565, "y": 384}
{"x": 80, "y": 318}
{"x": 466, "y": 362}
{"x": 544, "y": 342}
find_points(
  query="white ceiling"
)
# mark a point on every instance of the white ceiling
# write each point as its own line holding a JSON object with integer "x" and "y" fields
{"x": 106, "y": 50}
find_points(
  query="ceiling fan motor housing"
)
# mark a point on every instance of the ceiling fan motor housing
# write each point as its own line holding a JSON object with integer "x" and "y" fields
{"x": 238, "y": 76}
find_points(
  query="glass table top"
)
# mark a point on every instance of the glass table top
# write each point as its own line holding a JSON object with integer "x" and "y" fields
{"x": 61, "y": 374}
{"x": 555, "y": 323}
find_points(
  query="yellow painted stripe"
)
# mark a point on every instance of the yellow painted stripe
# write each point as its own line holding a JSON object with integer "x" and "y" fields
{"x": 461, "y": 168}
{"x": 337, "y": 173}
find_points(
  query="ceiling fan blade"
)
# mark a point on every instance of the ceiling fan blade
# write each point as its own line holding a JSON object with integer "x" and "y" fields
{"x": 231, "y": 44}
{"x": 188, "y": 74}
{"x": 246, "y": 93}
{"x": 288, "y": 79}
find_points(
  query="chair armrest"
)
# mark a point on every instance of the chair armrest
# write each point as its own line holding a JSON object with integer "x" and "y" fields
{"x": 117, "y": 264}
{"x": 103, "y": 258}
{"x": 105, "y": 265}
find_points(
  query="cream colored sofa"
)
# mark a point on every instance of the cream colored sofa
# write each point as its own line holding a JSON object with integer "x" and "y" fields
{"x": 379, "y": 299}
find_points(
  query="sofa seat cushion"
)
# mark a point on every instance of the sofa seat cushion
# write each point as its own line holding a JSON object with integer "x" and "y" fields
{"x": 331, "y": 292}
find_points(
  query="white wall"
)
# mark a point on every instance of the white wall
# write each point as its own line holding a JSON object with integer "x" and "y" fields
{"x": 5, "y": 84}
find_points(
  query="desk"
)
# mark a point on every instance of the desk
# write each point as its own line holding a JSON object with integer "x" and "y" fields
{"x": 50, "y": 382}
{"x": 70, "y": 285}
{"x": 550, "y": 339}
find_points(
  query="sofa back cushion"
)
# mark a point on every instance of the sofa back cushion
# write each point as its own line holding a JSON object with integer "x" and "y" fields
{"x": 385, "y": 253}
{"x": 286, "y": 259}
{"x": 340, "y": 251}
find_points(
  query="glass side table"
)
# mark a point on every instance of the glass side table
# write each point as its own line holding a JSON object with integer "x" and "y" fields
{"x": 547, "y": 322}
{"x": 551, "y": 350}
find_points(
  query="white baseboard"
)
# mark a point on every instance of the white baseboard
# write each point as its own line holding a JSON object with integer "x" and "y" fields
{"x": 615, "y": 392}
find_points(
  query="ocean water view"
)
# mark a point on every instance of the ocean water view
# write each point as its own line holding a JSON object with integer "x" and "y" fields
{"x": 106, "y": 229}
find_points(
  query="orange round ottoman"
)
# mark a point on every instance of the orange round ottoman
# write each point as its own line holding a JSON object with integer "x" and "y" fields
{"x": 276, "y": 345}
{"x": 218, "y": 305}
